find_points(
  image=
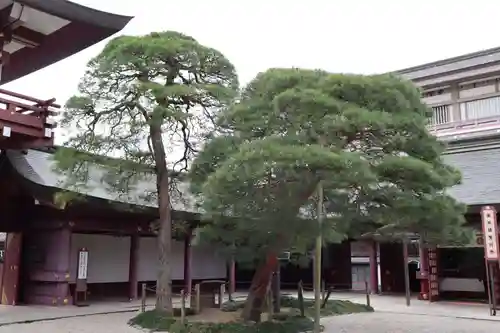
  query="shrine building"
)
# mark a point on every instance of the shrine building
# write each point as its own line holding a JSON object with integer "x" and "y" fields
{"x": 50, "y": 248}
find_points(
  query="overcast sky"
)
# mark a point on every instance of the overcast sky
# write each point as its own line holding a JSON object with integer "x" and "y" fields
{"x": 360, "y": 36}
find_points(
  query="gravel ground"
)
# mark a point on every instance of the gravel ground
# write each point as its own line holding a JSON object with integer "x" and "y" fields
{"x": 109, "y": 323}
{"x": 405, "y": 323}
{"x": 359, "y": 323}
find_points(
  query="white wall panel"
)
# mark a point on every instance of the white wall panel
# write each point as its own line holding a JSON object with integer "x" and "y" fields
{"x": 148, "y": 260}
{"x": 206, "y": 264}
{"x": 108, "y": 257}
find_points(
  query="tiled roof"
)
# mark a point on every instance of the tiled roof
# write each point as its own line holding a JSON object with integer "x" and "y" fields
{"x": 39, "y": 168}
{"x": 480, "y": 168}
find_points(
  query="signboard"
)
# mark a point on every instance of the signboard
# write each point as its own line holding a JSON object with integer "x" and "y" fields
{"x": 80, "y": 296}
{"x": 433, "y": 276}
{"x": 83, "y": 260}
{"x": 490, "y": 232}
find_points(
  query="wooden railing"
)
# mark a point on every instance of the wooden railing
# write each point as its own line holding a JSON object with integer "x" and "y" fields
{"x": 25, "y": 120}
{"x": 466, "y": 127}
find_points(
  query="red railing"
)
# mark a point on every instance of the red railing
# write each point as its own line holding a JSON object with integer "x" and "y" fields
{"x": 25, "y": 122}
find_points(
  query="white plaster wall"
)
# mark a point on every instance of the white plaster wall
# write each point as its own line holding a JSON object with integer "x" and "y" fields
{"x": 148, "y": 260}
{"x": 205, "y": 264}
{"x": 461, "y": 284}
{"x": 109, "y": 257}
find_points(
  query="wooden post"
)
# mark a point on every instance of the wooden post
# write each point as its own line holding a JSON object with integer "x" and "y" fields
{"x": 269, "y": 299}
{"x": 232, "y": 279}
{"x": 367, "y": 290}
{"x": 143, "y": 297}
{"x": 188, "y": 282}
{"x": 132, "y": 274}
{"x": 301, "y": 299}
{"x": 323, "y": 291}
{"x": 373, "y": 268}
{"x": 197, "y": 304}
{"x": 407, "y": 273}
{"x": 183, "y": 306}
{"x": 222, "y": 292}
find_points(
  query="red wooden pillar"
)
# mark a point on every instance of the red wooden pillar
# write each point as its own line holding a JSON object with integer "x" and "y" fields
{"x": 373, "y": 268}
{"x": 12, "y": 262}
{"x": 134, "y": 261}
{"x": 188, "y": 281}
{"x": 424, "y": 272}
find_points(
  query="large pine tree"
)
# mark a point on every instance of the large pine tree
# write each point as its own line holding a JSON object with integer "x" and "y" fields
{"x": 140, "y": 99}
{"x": 363, "y": 137}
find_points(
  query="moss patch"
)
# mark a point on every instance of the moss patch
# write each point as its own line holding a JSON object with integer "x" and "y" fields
{"x": 156, "y": 321}
{"x": 332, "y": 307}
{"x": 227, "y": 321}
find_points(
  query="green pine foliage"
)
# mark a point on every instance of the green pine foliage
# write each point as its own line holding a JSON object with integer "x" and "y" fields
{"x": 364, "y": 137}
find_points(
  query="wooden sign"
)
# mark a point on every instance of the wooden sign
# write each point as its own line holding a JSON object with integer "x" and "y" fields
{"x": 80, "y": 297}
{"x": 490, "y": 232}
{"x": 83, "y": 261}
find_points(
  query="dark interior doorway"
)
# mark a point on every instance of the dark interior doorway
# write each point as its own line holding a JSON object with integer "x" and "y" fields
{"x": 413, "y": 270}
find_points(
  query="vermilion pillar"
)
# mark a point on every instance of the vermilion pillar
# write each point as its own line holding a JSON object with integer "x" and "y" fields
{"x": 188, "y": 281}
{"x": 134, "y": 260}
{"x": 373, "y": 268}
{"x": 424, "y": 272}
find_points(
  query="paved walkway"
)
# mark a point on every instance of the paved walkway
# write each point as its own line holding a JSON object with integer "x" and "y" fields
{"x": 391, "y": 316}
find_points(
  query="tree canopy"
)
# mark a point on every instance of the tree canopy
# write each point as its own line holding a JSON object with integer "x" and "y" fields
{"x": 365, "y": 137}
{"x": 139, "y": 100}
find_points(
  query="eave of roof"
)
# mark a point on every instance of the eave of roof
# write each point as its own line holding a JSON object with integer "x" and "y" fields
{"x": 87, "y": 27}
{"x": 448, "y": 60}
{"x": 38, "y": 167}
{"x": 78, "y": 13}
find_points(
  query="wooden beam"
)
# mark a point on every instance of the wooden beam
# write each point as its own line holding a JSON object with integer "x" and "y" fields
{"x": 27, "y": 37}
{"x": 5, "y": 16}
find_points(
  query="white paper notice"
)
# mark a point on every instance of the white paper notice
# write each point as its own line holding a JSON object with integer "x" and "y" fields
{"x": 83, "y": 257}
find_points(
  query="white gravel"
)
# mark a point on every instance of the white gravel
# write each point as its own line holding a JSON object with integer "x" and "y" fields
{"x": 109, "y": 323}
{"x": 406, "y": 323}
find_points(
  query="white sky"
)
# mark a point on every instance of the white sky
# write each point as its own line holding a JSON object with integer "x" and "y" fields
{"x": 361, "y": 36}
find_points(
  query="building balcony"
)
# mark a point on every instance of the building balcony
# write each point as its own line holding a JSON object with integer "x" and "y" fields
{"x": 466, "y": 120}
{"x": 26, "y": 122}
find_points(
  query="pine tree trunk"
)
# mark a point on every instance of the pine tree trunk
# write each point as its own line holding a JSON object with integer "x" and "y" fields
{"x": 164, "y": 277}
{"x": 258, "y": 289}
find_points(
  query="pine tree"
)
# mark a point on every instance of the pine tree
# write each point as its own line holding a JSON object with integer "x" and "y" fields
{"x": 363, "y": 137}
{"x": 141, "y": 98}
